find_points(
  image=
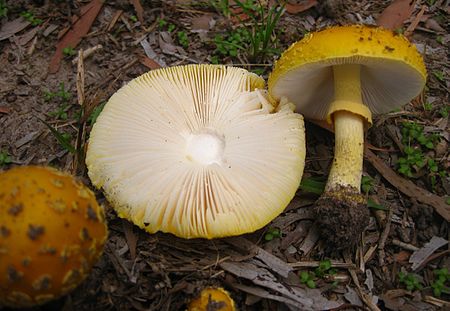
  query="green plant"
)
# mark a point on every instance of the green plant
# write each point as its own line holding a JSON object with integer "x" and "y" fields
{"x": 440, "y": 39}
{"x": 29, "y": 16}
{"x": 60, "y": 113}
{"x": 439, "y": 75}
{"x": 413, "y": 159}
{"x": 442, "y": 277}
{"x": 133, "y": 18}
{"x": 427, "y": 106}
{"x": 444, "y": 111}
{"x": 64, "y": 139}
{"x": 256, "y": 41}
{"x": 410, "y": 280}
{"x": 69, "y": 51}
{"x": 272, "y": 233}
{"x": 323, "y": 271}
{"x": 313, "y": 185}
{"x": 161, "y": 23}
{"x": 95, "y": 113}
{"x": 3, "y": 8}
{"x": 61, "y": 94}
{"x": 4, "y": 158}
{"x": 307, "y": 277}
{"x": 366, "y": 184}
{"x": 183, "y": 39}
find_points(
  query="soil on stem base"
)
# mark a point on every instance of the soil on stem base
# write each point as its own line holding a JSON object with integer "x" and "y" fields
{"x": 342, "y": 216}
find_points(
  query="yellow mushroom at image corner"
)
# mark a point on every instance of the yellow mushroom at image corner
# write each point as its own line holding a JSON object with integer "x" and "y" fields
{"x": 212, "y": 298}
{"x": 52, "y": 231}
{"x": 346, "y": 74}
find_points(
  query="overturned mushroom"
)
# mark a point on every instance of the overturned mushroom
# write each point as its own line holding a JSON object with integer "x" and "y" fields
{"x": 52, "y": 231}
{"x": 343, "y": 75}
{"x": 197, "y": 151}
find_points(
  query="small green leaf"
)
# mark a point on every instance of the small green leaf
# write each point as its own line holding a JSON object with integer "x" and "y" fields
{"x": 372, "y": 204}
{"x": 64, "y": 140}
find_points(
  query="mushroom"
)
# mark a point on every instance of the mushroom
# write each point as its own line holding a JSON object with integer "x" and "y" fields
{"x": 211, "y": 298}
{"x": 344, "y": 75}
{"x": 52, "y": 231}
{"x": 197, "y": 151}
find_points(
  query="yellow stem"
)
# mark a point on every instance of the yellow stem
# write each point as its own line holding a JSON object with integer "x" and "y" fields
{"x": 346, "y": 169}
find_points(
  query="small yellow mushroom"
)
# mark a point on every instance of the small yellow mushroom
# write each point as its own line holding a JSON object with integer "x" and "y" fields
{"x": 36, "y": 228}
{"x": 211, "y": 298}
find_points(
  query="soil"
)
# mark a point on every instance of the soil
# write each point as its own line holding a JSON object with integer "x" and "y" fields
{"x": 139, "y": 271}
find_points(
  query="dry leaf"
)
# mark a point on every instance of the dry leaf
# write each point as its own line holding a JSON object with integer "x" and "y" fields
{"x": 139, "y": 10}
{"x": 396, "y": 14}
{"x": 300, "y": 7}
{"x": 4, "y": 110}
{"x": 79, "y": 29}
{"x": 148, "y": 62}
{"x": 201, "y": 23}
{"x": 420, "y": 255}
{"x": 434, "y": 25}
{"x": 11, "y": 28}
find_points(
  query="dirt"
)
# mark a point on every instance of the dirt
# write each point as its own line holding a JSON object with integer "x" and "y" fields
{"x": 139, "y": 271}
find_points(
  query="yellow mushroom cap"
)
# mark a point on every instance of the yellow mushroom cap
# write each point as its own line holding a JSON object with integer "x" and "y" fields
{"x": 211, "y": 298}
{"x": 52, "y": 231}
{"x": 197, "y": 151}
{"x": 392, "y": 70}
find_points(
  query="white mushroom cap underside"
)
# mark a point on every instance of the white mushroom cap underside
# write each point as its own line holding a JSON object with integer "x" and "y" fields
{"x": 145, "y": 151}
{"x": 385, "y": 85}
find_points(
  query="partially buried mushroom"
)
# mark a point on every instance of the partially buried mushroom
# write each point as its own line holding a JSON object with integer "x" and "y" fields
{"x": 52, "y": 232}
{"x": 197, "y": 151}
{"x": 344, "y": 75}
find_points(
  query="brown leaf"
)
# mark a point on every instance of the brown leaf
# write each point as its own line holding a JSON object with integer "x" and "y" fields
{"x": 408, "y": 187}
{"x": 9, "y": 29}
{"x": 139, "y": 10}
{"x": 402, "y": 256}
{"x": 201, "y": 23}
{"x": 79, "y": 29}
{"x": 4, "y": 110}
{"x": 396, "y": 14}
{"x": 148, "y": 62}
{"x": 434, "y": 25}
{"x": 300, "y": 7}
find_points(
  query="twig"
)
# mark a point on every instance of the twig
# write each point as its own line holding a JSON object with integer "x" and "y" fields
{"x": 404, "y": 245}
{"x": 88, "y": 52}
{"x": 315, "y": 264}
{"x": 364, "y": 297}
{"x": 383, "y": 238}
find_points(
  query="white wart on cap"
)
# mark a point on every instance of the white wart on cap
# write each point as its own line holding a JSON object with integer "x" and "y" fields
{"x": 197, "y": 151}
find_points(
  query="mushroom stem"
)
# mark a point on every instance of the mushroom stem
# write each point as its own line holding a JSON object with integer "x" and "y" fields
{"x": 346, "y": 169}
{"x": 341, "y": 210}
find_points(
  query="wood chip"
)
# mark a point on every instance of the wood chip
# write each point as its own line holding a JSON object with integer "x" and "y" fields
{"x": 139, "y": 10}
{"x": 420, "y": 255}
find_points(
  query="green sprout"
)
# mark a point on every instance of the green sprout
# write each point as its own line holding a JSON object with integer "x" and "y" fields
{"x": 439, "y": 75}
{"x": 442, "y": 278}
{"x": 95, "y": 113}
{"x": 29, "y": 16}
{"x": 69, "y": 51}
{"x": 5, "y": 158}
{"x": 307, "y": 278}
{"x": 323, "y": 271}
{"x": 410, "y": 280}
{"x": 272, "y": 233}
{"x": 366, "y": 184}
{"x": 3, "y": 9}
{"x": 133, "y": 18}
{"x": 183, "y": 39}
{"x": 61, "y": 94}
